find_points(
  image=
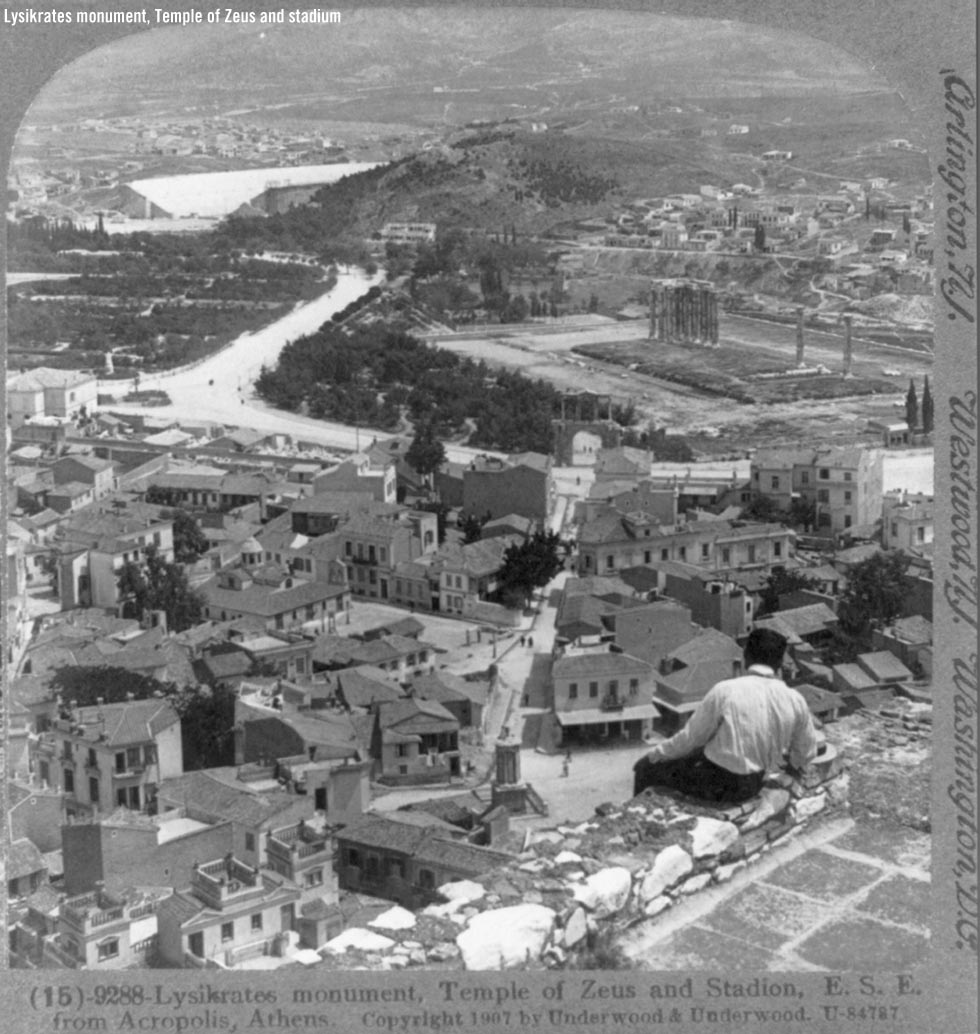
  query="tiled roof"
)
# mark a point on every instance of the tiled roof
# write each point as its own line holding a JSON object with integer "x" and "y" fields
{"x": 854, "y": 676}
{"x": 465, "y": 858}
{"x": 598, "y": 585}
{"x": 603, "y": 664}
{"x": 181, "y": 906}
{"x": 336, "y": 503}
{"x": 443, "y": 685}
{"x": 808, "y": 620}
{"x": 267, "y": 602}
{"x": 411, "y": 716}
{"x": 883, "y": 666}
{"x": 256, "y": 483}
{"x": 691, "y": 683}
{"x": 475, "y": 558}
{"x": 607, "y": 528}
{"x": 582, "y": 615}
{"x": 375, "y": 831}
{"x": 45, "y": 377}
{"x": 361, "y": 689}
{"x": 90, "y": 462}
{"x": 709, "y": 644}
{"x": 23, "y": 858}
{"x": 124, "y": 724}
{"x": 203, "y": 793}
{"x": 331, "y": 733}
{"x": 775, "y": 624}
{"x": 817, "y": 699}
{"x": 227, "y": 663}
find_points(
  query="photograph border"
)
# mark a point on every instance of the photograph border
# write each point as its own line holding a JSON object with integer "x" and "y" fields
{"x": 926, "y": 50}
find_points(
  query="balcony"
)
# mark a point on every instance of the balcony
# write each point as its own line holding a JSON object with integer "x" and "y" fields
{"x": 299, "y": 843}
{"x": 611, "y": 703}
{"x": 227, "y": 879}
{"x": 90, "y": 911}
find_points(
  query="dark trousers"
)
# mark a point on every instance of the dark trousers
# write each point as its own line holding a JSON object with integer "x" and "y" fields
{"x": 698, "y": 777}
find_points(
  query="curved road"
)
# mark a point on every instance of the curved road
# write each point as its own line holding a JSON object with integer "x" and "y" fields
{"x": 230, "y": 399}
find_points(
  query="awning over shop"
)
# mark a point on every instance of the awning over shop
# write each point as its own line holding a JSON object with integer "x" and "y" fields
{"x": 597, "y": 716}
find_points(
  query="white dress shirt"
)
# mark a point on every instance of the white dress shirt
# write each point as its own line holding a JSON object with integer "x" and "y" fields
{"x": 747, "y": 724}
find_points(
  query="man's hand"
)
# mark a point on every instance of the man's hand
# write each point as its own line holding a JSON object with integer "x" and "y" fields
{"x": 645, "y": 761}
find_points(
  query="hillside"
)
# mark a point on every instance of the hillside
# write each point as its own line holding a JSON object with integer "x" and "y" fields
{"x": 503, "y": 178}
{"x": 393, "y": 65}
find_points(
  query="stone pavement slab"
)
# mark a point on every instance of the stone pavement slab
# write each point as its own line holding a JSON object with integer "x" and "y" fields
{"x": 840, "y": 899}
{"x": 900, "y": 899}
{"x": 821, "y": 875}
{"x": 766, "y": 916}
{"x": 696, "y": 948}
{"x": 852, "y": 943}
{"x": 899, "y": 845}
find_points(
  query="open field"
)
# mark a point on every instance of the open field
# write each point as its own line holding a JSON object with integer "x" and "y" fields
{"x": 749, "y": 354}
{"x": 713, "y": 424}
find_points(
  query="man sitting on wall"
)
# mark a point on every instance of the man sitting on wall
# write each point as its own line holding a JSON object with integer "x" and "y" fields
{"x": 742, "y": 729}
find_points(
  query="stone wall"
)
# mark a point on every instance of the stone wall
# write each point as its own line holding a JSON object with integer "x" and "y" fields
{"x": 573, "y": 887}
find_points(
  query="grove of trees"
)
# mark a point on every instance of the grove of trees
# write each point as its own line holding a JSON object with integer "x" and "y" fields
{"x": 365, "y": 377}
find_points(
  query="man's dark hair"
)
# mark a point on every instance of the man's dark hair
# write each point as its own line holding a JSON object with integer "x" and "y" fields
{"x": 765, "y": 646}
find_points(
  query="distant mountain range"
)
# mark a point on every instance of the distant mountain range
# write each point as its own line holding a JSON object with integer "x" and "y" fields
{"x": 550, "y": 55}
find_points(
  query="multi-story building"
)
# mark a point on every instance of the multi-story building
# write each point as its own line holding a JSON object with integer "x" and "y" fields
{"x": 407, "y": 862}
{"x": 686, "y": 675}
{"x": 106, "y": 931}
{"x": 323, "y": 512}
{"x": 715, "y": 601}
{"x": 408, "y": 233}
{"x": 617, "y": 541}
{"x": 521, "y": 484}
{"x": 215, "y": 489}
{"x": 275, "y": 599}
{"x": 231, "y": 911}
{"x": 54, "y": 393}
{"x": 469, "y": 573}
{"x": 844, "y": 484}
{"x": 600, "y": 695}
{"x": 373, "y": 547}
{"x": 303, "y": 854}
{"x": 89, "y": 470}
{"x": 110, "y": 755}
{"x": 415, "y": 741}
{"x": 93, "y": 547}
{"x": 360, "y": 473}
{"x": 907, "y": 521}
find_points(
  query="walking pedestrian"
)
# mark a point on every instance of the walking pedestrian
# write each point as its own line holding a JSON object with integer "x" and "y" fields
{"x": 564, "y": 769}
{"x": 530, "y": 642}
{"x": 523, "y": 640}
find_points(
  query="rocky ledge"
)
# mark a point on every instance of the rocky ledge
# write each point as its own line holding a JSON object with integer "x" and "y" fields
{"x": 573, "y": 887}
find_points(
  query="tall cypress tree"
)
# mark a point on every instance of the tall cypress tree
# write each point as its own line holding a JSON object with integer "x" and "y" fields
{"x": 928, "y": 409}
{"x": 911, "y": 407}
